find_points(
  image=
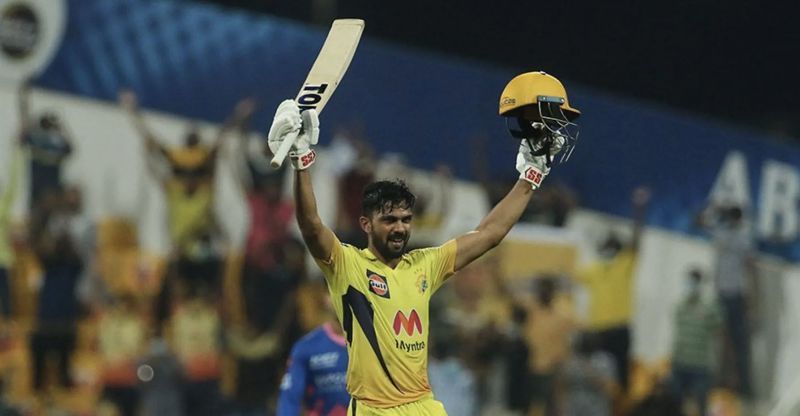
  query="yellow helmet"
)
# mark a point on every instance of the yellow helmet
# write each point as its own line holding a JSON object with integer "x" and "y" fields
{"x": 537, "y": 110}
{"x": 532, "y": 88}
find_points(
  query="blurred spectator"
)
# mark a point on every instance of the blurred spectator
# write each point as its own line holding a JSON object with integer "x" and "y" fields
{"x": 255, "y": 353}
{"x": 8, "y": 192}
{"x": 58, "y": 233}
{"x": 315, "y": 380}
{"x": 434, "y": 196}
{"x": 49, "y": 145}
{"x": 609, "y": 282}
{"x": 697, "y": 323}
{"x": 271, "y": 271}
{"x": 734, "y": 274}
{"x": 196, "y": 337}
{"x": 270, "y": 213}
{"x": 188, "y": 186}
{"x": 161, "y": 379}
{"x": 122, "y": 335}
{"x": 488, "y": 337}
{"x": 452, "y": 382}
{"x": 356, "y": 159}
{"x": 658, "y": 403}
{"x": 552, "y": 205}
{"x": 589, "y": 380}
{"x": 549, "y": 324}
{"x": 270, "y": 217}
{"x": 270, "y": 296}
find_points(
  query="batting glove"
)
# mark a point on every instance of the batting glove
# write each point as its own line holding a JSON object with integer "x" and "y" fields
{"x": 302, "y": 155}
{"x": 286, "y": 122}
{"x": 533, "y": 169}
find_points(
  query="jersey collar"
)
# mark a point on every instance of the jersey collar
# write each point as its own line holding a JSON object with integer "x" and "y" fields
{"x": 373, "y": 258}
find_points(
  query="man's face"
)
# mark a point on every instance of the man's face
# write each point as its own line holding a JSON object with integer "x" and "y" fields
{"x": 388, "y": 231}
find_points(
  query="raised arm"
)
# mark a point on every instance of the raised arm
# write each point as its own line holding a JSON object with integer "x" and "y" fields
{"x": 23, "y": 105}
{"x": 238, "y": 119}
{"x": 494, "y": 227}
{"x": 155, "y": 150}
{"x": 318, "y": 237}
{"x": 130, "y": 103}
{"x": 288, "y": 122}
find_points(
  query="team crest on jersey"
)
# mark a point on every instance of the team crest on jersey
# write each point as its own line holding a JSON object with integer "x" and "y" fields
{"x": 422, "y": 283}
{"x": 378, "y": 284}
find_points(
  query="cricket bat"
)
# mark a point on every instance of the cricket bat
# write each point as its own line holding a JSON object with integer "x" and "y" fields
{"x": 325, "y": 74}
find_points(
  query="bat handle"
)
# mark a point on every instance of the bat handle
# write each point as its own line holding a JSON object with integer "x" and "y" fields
{"x": 283, "y": 150}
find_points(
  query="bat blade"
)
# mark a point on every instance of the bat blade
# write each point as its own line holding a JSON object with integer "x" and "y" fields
{"x": 332, "y": 62}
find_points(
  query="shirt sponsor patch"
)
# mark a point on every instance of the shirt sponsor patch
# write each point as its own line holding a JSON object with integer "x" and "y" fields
{"x": 326, "y": 360}
{"x": 378, "y": 284}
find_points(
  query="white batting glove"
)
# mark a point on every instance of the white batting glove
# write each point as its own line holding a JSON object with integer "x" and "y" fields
{"x": 287, "y": 121}
{"x": 533, "y": 169}
{"x": 302, "y": 155}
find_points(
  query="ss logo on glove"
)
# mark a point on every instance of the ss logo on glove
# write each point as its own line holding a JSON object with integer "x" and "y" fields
{"x": 534, "y": 176}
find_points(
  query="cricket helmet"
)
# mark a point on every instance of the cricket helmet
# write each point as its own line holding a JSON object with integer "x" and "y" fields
{"x": 537, "y": 109}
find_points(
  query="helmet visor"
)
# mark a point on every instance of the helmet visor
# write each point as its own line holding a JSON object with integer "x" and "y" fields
{"x": 557, "y": 122}
{"x": 540, "y": 125}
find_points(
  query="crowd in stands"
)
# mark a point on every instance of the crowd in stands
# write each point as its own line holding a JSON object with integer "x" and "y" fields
{"x": 215, "y": 337}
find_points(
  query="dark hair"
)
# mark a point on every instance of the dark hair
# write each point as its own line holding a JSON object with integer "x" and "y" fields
{"x": 383, "y": 196}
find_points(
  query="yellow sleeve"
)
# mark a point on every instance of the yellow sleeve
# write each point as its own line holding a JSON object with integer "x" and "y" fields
{"x": 442, "y": 263}
{"x": 334, "y": 269}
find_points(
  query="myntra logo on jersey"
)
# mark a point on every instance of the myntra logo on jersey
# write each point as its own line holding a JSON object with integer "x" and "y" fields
{"x": 407, "y": 323}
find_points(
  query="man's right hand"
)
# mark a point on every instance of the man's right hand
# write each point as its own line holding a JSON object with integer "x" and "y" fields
{"x": 287, "y": 122}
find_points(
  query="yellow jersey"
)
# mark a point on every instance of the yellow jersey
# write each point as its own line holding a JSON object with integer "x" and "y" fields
{"x": 384, "y": 313}
{"x": 610, "y": 287}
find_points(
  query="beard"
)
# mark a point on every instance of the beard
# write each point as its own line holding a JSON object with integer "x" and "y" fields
{"x": 392, "y": 246}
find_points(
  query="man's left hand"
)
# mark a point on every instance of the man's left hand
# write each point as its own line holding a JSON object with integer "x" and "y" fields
{"x": 533, "y": 169}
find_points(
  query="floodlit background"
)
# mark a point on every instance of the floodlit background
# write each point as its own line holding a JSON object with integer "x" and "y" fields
{"x": 150, "y": 262}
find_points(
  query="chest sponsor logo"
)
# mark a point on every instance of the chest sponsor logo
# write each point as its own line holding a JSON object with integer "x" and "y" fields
{"x": 377, "y": 284}
{"x": 408, "y": 324}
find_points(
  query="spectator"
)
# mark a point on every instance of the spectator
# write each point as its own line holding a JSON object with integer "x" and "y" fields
{"x": 161, "y": 379}
{"x": 660, "y": 402}
{"x": 122, "y": 333}
{"x": 552, "y": 206}
{"x": 57, "y": 234}
{"x": 610, "y": 285}
{"x": 734, "y": 274}
{"x": 270, "y": 273}
{"x": 315, "y": 380}
{"x": 453, "y": 383}
{"x": 8, "y": 192}
{"x": 196, "y": 337}
{"x": 697, "y": 323}
{"x": 49, "y": 145}
{"x": 548, "y": 328}
{"x": 589, "y": 380}
{"x": 255, "y": 353}
{"x": 188, "y": 186}
{"x": 357, "y": 159}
